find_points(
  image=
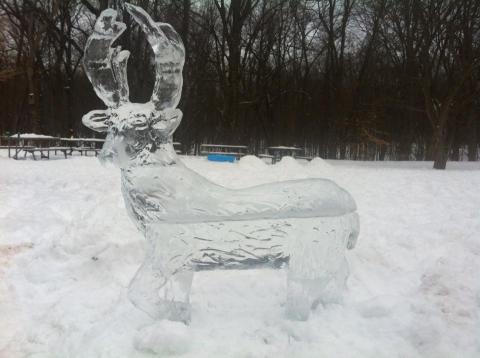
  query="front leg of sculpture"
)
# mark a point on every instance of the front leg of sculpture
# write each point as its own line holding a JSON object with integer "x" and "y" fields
{"x": 160, "y": 293}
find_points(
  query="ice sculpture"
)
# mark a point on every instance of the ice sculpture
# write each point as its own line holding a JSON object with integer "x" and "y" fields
{"x": 190, "y": 223}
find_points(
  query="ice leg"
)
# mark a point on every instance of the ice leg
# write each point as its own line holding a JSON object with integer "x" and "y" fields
{"x": 303, "y": 295}
{"x": 175, "y": 295}
{"x": 161, "y": 296}
{"x": 335, "y": 288}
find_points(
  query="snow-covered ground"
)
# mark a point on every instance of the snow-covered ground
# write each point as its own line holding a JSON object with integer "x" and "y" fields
{"x": 68, "y": 251}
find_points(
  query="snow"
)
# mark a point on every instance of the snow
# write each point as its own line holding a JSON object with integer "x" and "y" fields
{"x": 164, "y": 337}
{"x": 68, "y": 252}
{"x": 32, "y": 136}
{"x": 282, "y": 147}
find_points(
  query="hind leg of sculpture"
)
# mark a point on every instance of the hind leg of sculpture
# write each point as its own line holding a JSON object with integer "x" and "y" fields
{"x": 159, "y": 295}
{"x": 313, "y": 264}
{"x": 336, "y": 286}
{"x": 303, "y": 295}
{"x": 306, "y": 280}
{"x": 307, "y": 286}
{"x": 317, "y": 265}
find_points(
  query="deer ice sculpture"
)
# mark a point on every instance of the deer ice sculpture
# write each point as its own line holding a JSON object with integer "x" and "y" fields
{"x": 191, "y": 223}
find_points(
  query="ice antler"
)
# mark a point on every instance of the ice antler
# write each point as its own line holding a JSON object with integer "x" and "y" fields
{"x": 106, "y": 68}
{"x": 169, "y": 58}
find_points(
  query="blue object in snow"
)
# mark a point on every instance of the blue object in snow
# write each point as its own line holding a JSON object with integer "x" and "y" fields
{"x": 221, "y": 158}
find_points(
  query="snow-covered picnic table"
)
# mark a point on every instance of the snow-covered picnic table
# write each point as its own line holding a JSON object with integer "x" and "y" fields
{"x": 178, "y": 147}
{"x": 237, "y": 151}
{"x": 281, "y": 151}
{"x": 83, "y": 145}
{"x": 31, "y": 143}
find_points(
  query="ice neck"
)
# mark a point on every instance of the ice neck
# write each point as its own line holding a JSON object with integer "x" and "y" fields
{"x": 164, "y": 154}
{"x": 158, "y": 153}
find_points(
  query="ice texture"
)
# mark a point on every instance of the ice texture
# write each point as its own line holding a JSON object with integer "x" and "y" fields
{"x": 106, "y": 67}
{"x": 191, "y": 223}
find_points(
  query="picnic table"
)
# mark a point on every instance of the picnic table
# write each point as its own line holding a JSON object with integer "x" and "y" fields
{"x": 236, "y": 151}
{"x": 32, "y": 143}
{"x": 44, "y": 145}
{"x": 267, "y": 158}
{"x": 279, "y": 152}
{"x": 178, "y": 147}
{"x": 83, "y": 145}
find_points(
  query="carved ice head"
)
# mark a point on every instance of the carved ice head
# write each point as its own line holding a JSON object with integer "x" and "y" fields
{"x": 135, "y": 131}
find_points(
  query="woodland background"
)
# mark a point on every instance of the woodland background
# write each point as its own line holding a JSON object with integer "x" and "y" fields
{"x": 346, "y": 79}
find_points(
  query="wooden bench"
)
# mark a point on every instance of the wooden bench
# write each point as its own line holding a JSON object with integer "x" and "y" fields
{"x": 234, "y": 154}
{"x": 237, "y": 151}
{"x": 45, "y": 152}
{"x": 84, "y": 150}
{"x": 281, "y": 151}
{"x": 178, "y": 147}
{"x": 304, "y": 158}
{"x": 267, "y": 157}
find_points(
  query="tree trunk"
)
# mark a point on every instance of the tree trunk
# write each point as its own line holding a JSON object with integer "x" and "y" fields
{"x": 440, "y": 148}
{"x": 32, "y": 98}
{"x": 472, "y": 137}
{"x": 332, "y": 141}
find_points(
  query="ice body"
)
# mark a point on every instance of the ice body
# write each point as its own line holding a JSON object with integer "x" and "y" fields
{"x": 177, "y": 194}
{"x": 191, "y": 223}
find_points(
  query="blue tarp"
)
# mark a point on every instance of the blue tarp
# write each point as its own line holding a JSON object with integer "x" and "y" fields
{"x": 221, "y": 158}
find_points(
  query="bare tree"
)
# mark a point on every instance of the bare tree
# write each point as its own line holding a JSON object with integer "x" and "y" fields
{"x": 370, "y": 79}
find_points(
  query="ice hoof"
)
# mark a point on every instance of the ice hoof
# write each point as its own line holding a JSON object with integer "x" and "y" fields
{"x": 297, "y": 311}
{"x": 299, "y": 303}
{"x": 164, "y": 338}
{"x": 179, "y": 311}
{"x": 161, "y": 309}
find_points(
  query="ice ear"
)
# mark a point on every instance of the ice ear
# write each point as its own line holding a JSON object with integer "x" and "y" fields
{"x": 97, "y": 120}
{"x": 169, "y": 58}
{"x": 168, "y": 122}
{"x": 175, "y": 121}
{"x": 106, "y": 67}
